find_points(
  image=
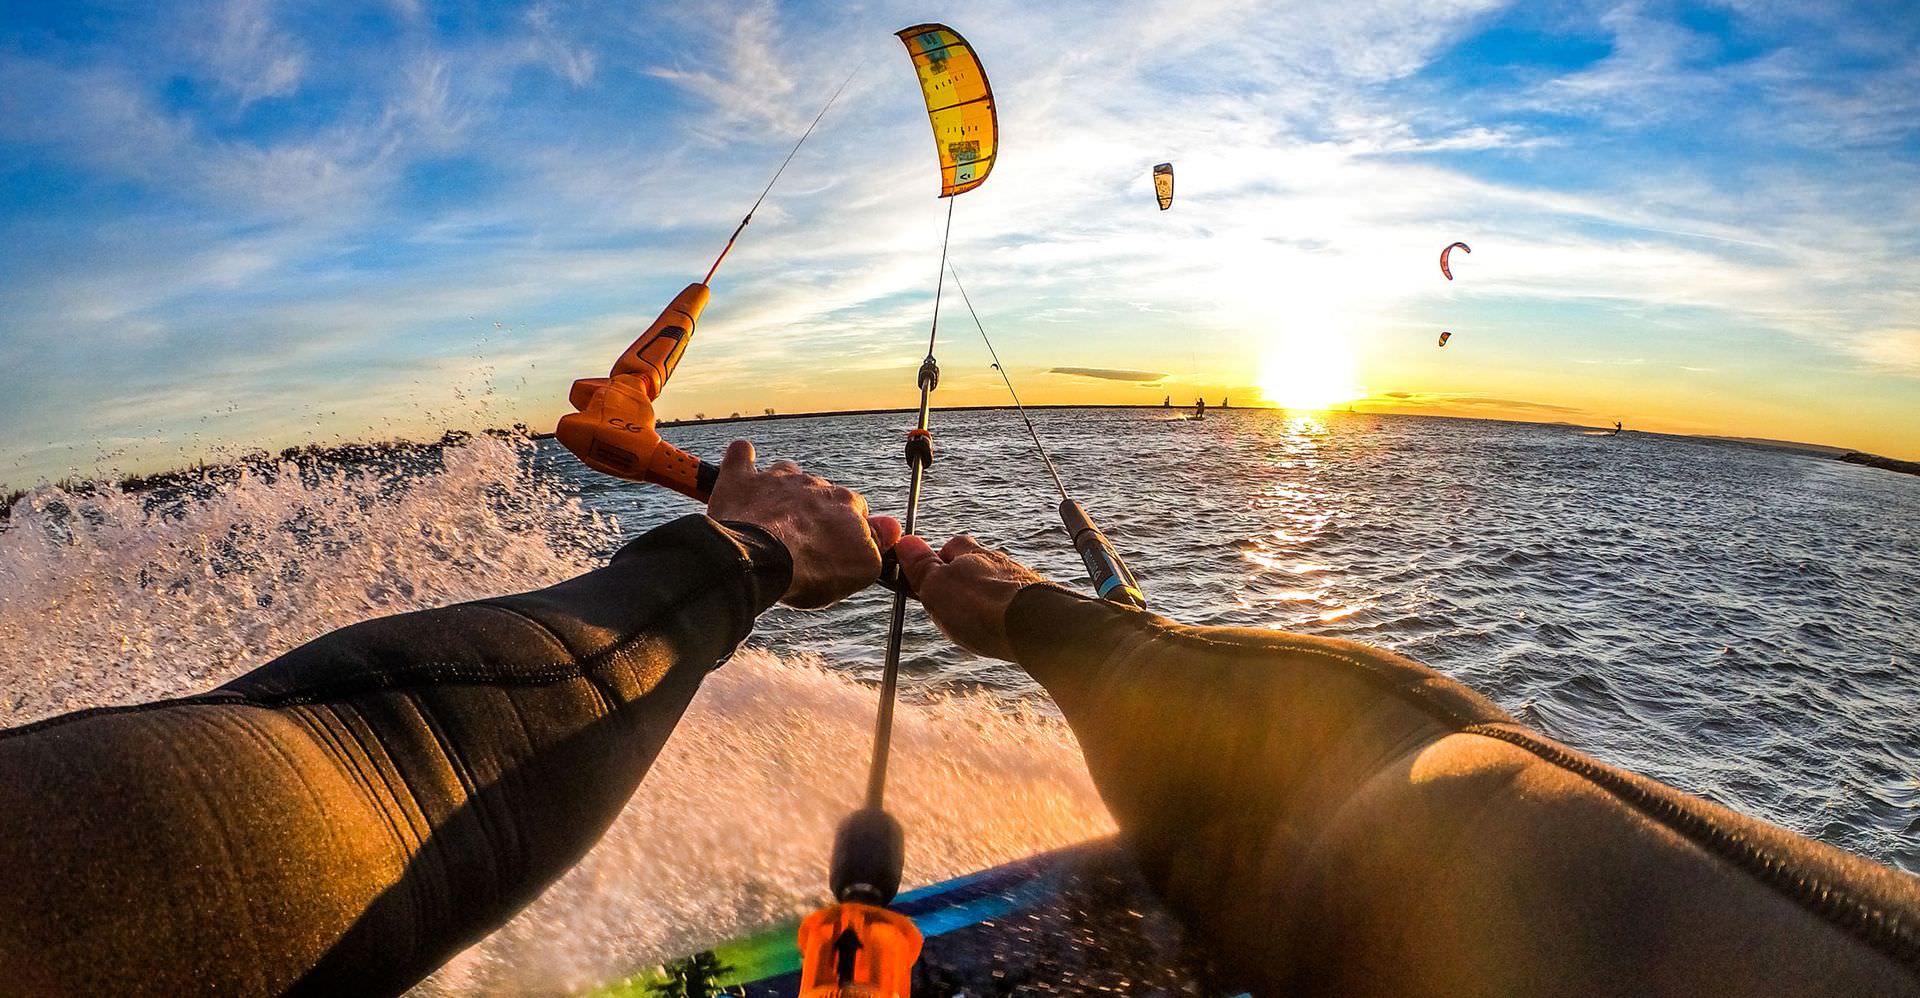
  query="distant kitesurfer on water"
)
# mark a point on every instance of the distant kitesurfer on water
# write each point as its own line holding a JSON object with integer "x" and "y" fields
{"x": 1616, "y": 427}
{"x": 1323, "y": 816}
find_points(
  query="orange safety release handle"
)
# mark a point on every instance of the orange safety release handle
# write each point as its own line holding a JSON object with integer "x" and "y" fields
{"x": 614, "y": 433}
{"x": 614, "y": 430}
{"x": 857, "y": 951}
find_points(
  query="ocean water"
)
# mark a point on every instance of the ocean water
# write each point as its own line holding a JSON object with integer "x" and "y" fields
{"x": 1743, "y": 623}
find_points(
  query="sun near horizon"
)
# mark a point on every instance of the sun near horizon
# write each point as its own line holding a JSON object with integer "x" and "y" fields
{"x": 1302, "y": 371}
{"x": 341, "y": 234}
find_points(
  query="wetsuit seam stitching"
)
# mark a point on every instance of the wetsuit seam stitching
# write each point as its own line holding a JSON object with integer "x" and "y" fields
{"x": 543, "y": 626}
{"x": 593, "y": 682}
{"x": 1862, "y": 920}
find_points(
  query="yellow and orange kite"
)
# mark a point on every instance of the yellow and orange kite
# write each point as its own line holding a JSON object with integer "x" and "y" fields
{"x": 959, "y": 103}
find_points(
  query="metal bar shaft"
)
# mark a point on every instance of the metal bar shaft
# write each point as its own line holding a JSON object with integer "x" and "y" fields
{"x": 896, "y": 627}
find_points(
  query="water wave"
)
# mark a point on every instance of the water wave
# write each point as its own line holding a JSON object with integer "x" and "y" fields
{"x": 109, "y": 598}
{"x": 1740, "y": 622}
{"x": 732, "y": 827}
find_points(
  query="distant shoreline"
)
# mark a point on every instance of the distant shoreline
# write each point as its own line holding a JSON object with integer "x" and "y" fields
{"x": 359, "y": 450}
{"x": 1764, "y": 443}
{"x": 1885, "y": 463}
{"x": 743, "y": 418}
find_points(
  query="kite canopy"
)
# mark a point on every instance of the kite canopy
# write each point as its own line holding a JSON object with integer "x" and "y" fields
{"x": 1163, "y": 185}
{"x": 959, "y": 103}
{"x": 1444, "y": 268}
{"x": 1444, "y": 337}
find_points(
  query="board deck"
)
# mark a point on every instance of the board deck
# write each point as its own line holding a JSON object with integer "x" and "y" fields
{"x": 1075, "y": 921}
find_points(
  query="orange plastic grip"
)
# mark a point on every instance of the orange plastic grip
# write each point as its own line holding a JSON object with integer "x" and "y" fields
{"x": 857, "y": 951}
{"x": 680, "y": 471}
{"x": 614, "y": 433}
{"x": 652, "y": 358}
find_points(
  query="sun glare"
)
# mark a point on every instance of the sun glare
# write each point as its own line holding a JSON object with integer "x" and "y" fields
{"x": 1309, "y": 372}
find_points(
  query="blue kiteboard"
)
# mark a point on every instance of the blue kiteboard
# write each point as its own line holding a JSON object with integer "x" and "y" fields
{"x": 1073, "y": 921}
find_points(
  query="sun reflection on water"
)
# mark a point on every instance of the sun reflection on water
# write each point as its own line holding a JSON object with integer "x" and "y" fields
{"x": 1289, "y": 574}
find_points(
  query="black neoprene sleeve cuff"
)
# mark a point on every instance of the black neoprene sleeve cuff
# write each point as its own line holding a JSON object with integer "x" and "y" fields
{"x": 768, "y": 559}
{"x": 1045, "y": 617}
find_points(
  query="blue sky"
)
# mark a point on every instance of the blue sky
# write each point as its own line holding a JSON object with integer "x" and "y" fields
{"x": 226, "y": 225}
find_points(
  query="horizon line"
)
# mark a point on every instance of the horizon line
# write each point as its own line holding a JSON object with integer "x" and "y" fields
{"x": 10, "y": 493}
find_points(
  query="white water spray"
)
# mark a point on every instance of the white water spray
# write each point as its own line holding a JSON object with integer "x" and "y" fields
{"x": 110, "y": 598}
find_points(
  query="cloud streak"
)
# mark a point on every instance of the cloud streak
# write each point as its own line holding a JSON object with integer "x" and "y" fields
{"x": 272, "y": 196}
{"x": 1108, "y": 373}
{"x": 1457, "y": 400}
{"x": 250, "y": 57}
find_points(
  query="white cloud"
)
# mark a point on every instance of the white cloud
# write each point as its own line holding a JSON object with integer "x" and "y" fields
{"x": 753, "y": 80}
{"x": 425, "y": 106}
{"x": 1318, "y": 175}
{"x": 250, "y": 57}
{"x": 1896, "y": 350}
{"x": 547, "y": 45}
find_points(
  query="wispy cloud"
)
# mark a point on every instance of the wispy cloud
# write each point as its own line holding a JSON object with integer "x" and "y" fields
{"x": 252, "y": 196}
{"x": 572, "y": 60}
{"x": 1458, "y": 400}
{"x": 749, "y": 80}
{"x": 1896, "y": 350}
{"x": 1108, "y": 373}
{"x": 249, "y": 55}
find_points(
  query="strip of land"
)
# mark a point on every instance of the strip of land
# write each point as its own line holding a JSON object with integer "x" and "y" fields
{"x": 351, "y": 453}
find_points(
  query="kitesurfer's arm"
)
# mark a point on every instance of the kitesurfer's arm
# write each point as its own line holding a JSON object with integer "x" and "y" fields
{"x": 345, "y": 818}
{"x": 1330, "y": 818}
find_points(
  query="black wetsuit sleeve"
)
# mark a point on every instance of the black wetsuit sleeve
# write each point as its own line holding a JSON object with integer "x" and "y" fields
{"x": 347, "y": 817}
{"x": 1328, "y": 818}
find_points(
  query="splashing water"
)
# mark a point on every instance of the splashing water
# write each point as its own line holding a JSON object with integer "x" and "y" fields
{"x": 113, "y": 598}
{"x": 732, "y": 827}
{"x": 1737, "y": 622}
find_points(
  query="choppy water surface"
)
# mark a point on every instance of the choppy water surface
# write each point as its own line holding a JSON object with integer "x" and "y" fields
{"x": 1743, "y": 623}
{"x": 1738, "y": 622}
